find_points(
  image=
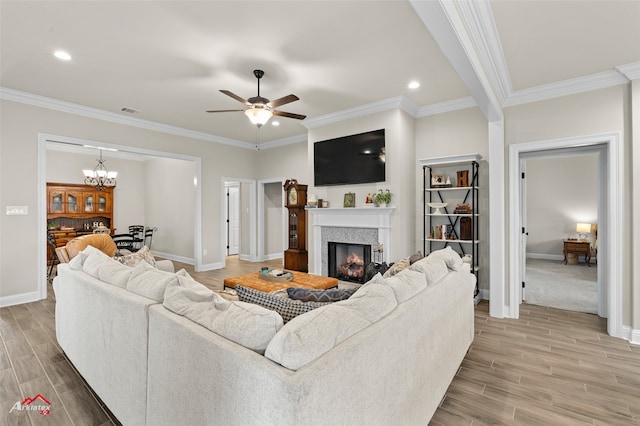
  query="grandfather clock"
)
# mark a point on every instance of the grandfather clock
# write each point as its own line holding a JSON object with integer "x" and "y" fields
{"x": 296, "y": 257}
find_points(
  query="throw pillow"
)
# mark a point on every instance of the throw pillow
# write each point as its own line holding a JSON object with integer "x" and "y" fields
{"x": 415, "y": 257}
{"x": 134, "y": 258}
{"x": 373, "y": 268}
{"x": 311, "y": 295}
{"x": 78, "y": 260}
{"x": 396, "y": 267}
{"x": 287, "y": 308}
{"x": 150, "y": 282}
{"x": 246, "y": 324}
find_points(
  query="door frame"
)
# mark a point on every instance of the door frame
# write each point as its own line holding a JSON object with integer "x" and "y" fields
{"x": 231, "y": 184}
{"x": 262, "y": 256}
{"x": 43, "y": 138}
{"x": 252, "y": 217}
{"x": 610, "y": 183}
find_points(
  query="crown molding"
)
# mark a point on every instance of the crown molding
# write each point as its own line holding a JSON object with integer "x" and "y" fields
{"x": 71, "y": 108}
{"x": 447, "y": 106}
{"x": 282, "y": 142}
{"x": 630, "y": 71}
{"x": 567, "y": 87}
{"x": 398, "y": 102}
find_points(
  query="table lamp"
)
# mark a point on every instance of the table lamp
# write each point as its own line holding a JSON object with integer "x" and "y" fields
{"x": 583, "y": 229}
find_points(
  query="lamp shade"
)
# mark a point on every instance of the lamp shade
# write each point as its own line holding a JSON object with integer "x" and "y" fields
{"x": 258, "y": 115}
{"x": 583, "y": 227}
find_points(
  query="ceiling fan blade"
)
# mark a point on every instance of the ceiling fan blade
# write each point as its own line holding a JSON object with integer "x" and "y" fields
{"x": 284, "y": 100}
{"x": 290, "y": 115}
{"x": 226, "y": 110}
{"x": 236, "y": 97}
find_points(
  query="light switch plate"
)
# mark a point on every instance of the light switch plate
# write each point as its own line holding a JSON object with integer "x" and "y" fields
{"x": 17, "y": 210}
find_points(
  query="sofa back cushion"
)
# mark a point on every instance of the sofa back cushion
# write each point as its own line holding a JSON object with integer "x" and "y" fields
{"x": 405, "y": 284}
{"x": 308, "y": 336}
{"x": 150, "y": 282}
{"x": 246, "y": 324}
{"x": 433, "y": 268}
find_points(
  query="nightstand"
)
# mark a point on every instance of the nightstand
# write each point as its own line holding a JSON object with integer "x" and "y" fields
{"x": 578, "y": 247}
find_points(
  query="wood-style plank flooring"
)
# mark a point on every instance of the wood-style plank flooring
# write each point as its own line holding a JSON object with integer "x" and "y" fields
{"x": 550, "y": 367}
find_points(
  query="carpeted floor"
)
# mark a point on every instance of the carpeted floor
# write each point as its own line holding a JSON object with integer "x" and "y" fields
{"x": 553, "y": 284}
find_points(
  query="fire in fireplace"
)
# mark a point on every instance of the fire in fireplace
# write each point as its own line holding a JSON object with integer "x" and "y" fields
{"x": 348, "y": 261}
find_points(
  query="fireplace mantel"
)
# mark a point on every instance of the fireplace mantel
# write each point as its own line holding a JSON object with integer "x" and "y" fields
{"x": 352, "y": 217}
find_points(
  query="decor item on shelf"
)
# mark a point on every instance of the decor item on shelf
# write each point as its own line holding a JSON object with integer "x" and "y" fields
{"x": 312, "y": 201}
{"x": 382, "y": 198}
{"x": 100, "y": 177}
{"x": 463, "y": 208}
{"x": 349, "y": 199}
{"x": 440, "y": 181}
{"x": 583, "y": 229}
{"x": 437, "y": 207}
{"x": 368, "y": 200}
{"x": 463, "y": 178}
{"x": 466, "y": 228}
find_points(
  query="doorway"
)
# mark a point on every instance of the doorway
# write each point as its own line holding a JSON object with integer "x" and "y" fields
{"x": 610, "y": 161}
{"x": 232, "y": 217}
{"x": 559, "y": 191}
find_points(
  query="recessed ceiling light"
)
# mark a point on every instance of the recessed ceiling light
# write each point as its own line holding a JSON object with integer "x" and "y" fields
{"x": 414, "y": 85}
{"x": 275, "y": 123}
{"x": 61, "y": 54}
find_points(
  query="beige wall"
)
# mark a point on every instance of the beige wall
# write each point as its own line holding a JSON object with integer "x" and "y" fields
{"x": 560, "y": 193}
{"x": 602, "y": 111}
{"x": 273, "y": 211}
{"x": 457, "y": 133}
{"x": 400, "y": 166}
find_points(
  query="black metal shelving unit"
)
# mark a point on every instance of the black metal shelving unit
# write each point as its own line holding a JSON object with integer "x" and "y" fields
{"x": 459, "y": 195}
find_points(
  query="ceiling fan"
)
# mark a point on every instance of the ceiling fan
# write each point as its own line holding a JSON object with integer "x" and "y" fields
{"x": 262, "y": 109}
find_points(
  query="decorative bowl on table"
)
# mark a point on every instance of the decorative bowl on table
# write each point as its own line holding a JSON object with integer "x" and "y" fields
{"x": 275, "y": 275}
{"x": 437, "y": 207}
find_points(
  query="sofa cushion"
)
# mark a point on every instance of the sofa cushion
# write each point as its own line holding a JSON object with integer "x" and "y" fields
{"x": 246, "y": 324}
{"x": 406, "y": 284}
{"x": 92, "y": 259}
{"x": 114, "y": 273}
{"x": 311, "y": 295}
{"x": 450, "y": 257}
{"x": 134, "y": 258}
{"x": 80, "y": 257}
{"x": 308, "y": 336}
{"x": 287, "y": 308}
{"x": 433, "y": 268}
{"x": 150, "y": 282}
{"x": 415, "y": 257}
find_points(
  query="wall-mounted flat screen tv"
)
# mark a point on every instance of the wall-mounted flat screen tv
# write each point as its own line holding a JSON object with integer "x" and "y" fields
{"x": 350, "y": 159}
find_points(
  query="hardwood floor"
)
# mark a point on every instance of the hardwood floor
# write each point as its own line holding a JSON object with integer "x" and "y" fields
{"x": 550, "y": 367}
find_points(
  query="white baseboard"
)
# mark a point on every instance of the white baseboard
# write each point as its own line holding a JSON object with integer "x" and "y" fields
{"x": 634, "y": 335}
{"x": 273, "y": 256}
{"x": 544, "y": 256}
{"x": 19, "y": 299}
{"x": 187, "y": 260}
{"x": 211, "y": 266}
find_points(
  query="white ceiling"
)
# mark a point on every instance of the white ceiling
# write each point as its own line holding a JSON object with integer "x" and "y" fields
{"x": 168, "y": 59}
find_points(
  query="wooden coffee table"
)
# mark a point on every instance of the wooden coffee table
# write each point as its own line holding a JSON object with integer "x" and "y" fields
{"x": 300, "y": 279}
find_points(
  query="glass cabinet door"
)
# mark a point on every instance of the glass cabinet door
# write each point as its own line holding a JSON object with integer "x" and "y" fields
{"x": 102, "y": 203}
{"x": 88, "y": 201}
{"x": 56, "y": 202}
{"x": 293, "y": 231}
{"x": 72, "y": 202}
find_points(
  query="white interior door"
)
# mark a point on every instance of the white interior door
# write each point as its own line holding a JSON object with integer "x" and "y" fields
{"x": 525, "y": 232}
{"x": 233, "y": 219}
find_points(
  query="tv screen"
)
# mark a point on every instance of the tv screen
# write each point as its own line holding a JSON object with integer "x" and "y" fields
{"x": 350, "y": 159}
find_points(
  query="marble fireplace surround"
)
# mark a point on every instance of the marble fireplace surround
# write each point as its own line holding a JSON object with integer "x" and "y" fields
{"x": 361, "y": 225}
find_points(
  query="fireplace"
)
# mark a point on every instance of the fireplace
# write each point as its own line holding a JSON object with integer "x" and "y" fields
{"x": 347, "y": 261}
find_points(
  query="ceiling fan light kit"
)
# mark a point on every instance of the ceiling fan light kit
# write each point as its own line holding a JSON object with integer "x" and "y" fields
{"x": 261, "y": 109}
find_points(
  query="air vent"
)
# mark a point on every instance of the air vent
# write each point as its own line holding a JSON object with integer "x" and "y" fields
{"x": 129, "y": 110}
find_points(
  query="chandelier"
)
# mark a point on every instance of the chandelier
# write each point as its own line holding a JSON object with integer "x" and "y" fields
{"x": 100, "y": 177}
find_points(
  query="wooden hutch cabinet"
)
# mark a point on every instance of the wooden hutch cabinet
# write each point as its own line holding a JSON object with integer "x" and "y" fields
{"x": 72, "y": 210}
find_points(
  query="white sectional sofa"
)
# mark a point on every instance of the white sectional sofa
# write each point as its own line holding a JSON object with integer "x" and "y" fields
{"x": 384, "y": 356}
